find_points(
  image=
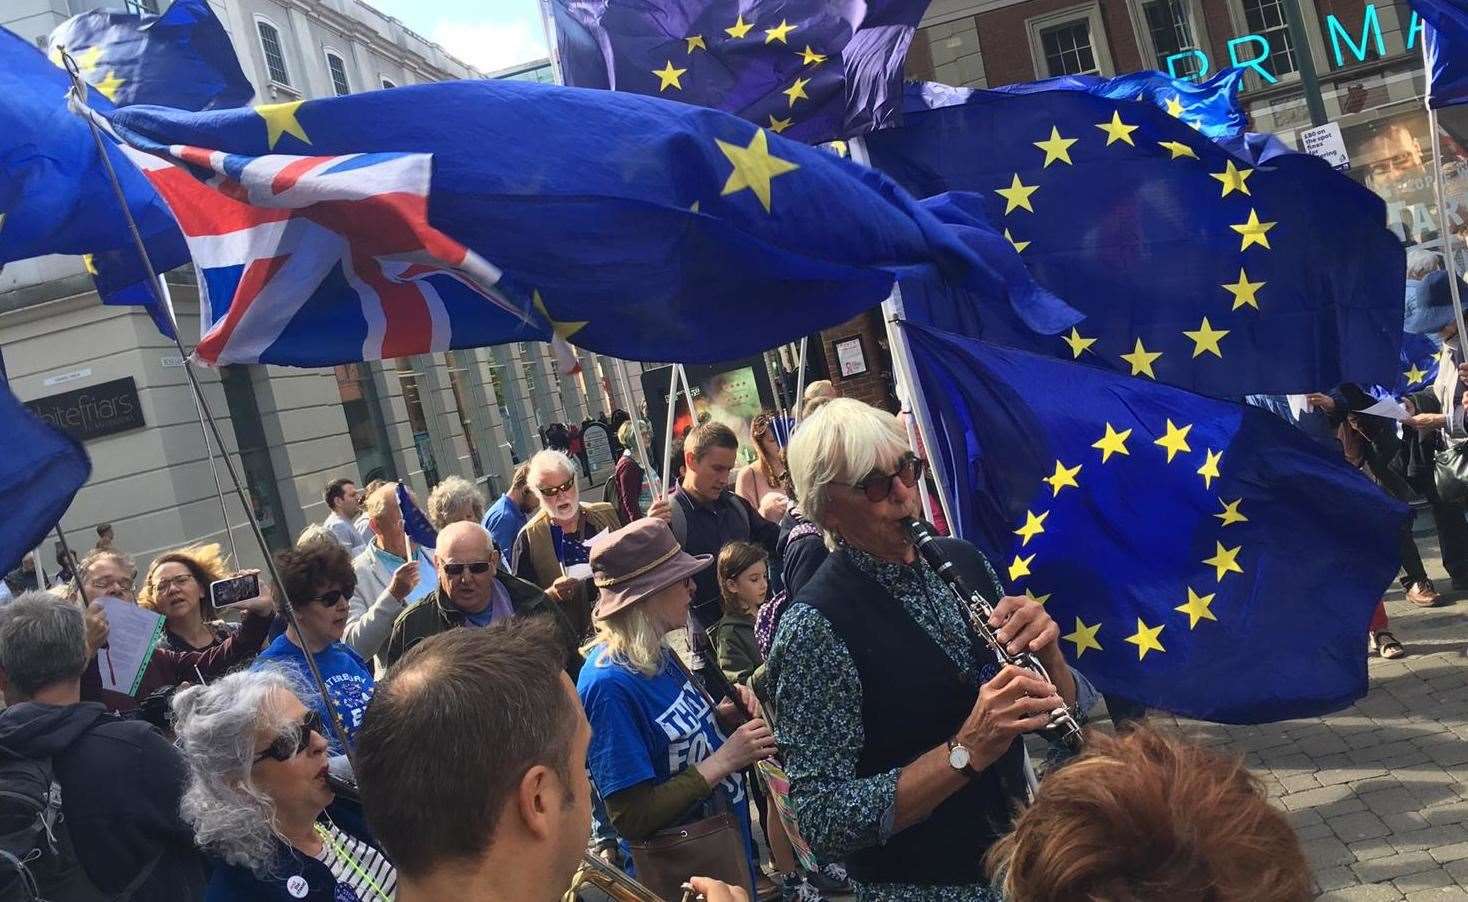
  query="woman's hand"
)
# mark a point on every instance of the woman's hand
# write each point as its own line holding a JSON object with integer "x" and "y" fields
{"x": 717, "y": 891}
{"x": 262, "y": 605}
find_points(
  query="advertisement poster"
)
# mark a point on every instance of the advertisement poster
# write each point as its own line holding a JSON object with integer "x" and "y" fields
{"x": 1393, "y": 157}
{"x": 731, "y": 393}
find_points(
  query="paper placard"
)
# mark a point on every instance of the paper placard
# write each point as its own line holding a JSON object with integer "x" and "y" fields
{"x": 132, "y": 635}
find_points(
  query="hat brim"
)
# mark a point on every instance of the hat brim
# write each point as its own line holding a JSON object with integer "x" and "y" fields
{"x": 678, "y": 568}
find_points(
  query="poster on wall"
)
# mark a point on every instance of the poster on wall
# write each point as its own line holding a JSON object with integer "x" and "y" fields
{"x": 1393, "y": 157}
{"x": 732, "y": 393}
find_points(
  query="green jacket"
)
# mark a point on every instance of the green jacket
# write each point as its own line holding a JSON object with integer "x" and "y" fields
{"x": 436, "y": 613}
{"x": 735, "y": 644}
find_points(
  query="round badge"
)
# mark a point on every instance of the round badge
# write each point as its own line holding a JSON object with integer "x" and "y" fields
{"x": 297, "y": 887}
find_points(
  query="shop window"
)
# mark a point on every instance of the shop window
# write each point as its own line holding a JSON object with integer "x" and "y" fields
{"x": 1170, "y": 29}
{"x": 1068, "y": 49}
{"x": 365, "y": 422}
{"x": 418, "y": 421}
{"x": 1268, "y": 19}
{"x": 274, "y": 55}
{"x": 468, "y": 402}
{"x": 254, "y": 452}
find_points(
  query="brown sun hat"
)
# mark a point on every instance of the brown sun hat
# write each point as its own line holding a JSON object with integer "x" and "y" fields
{"x": 639, "y": 560}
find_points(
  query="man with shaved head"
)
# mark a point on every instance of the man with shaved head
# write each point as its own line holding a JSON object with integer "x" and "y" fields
{"x": 474, "y": 590}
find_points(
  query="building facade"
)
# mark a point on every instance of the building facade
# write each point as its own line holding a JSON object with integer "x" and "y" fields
{"x": 288, "y": 431}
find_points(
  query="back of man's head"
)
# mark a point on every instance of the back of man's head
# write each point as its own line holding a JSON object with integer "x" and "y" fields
{"x": 451, "y": 734}
{"x": 521, "y": 477}
{"x": 43, "y": 642}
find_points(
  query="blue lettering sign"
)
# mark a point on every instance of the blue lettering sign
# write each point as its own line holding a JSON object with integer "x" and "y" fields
{"x": 1202, "y": 63}
{"x": 1370, "y": 28}
{"x": 1255, "y": 61}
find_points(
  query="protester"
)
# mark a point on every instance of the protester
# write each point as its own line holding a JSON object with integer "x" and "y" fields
{"x": 65, "y": 567}
{"x": 177, "y": 586}
{"x": 120, "y": 780}
{"x": 705, "y": 516}
{"x": 363, "y": 523}
{"x": 112, "y": 573}
{"x": 743, "y": 570}
{"x": 512, "y": 511}
{"x": 346, "y": 505}
{"x": 475, "y": 591}
{"x": 257, "y": 793}
{"x": 663, "y": 777}
{"x": 317, "y": 581}
{"x": 1150, "y": 818}
{"x": 453, "y": 500}
{"x": 821, "y": 388}
{"x": 879, "y": 679}
{"x": 633, "y": 486}
{"x": 811, "y": 405}
{"x": 576, "y": 447}
{"x": 759, "y": 483}
{"x": 554, "y": 541}
{"x": 387, "y": 573}
{"x": 104, "y": 537}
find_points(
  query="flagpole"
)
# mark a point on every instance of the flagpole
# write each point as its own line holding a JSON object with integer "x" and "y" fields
{"x": 620, "y": 367}
{"x": 800, "y": 381}
{"x": 668, "y": 429}
{"x": 552, "y": 47}
{"x": 1439, "y": 186}
{"x": 79, "y": 98}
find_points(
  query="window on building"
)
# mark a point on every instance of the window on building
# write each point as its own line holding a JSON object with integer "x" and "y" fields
{"x": 254, "y": 451}
{"x": 468, "y": 402}
{"x": 1267, "y": 18}
{"x": 1170, "y": 27}
{"x": 1068, "y": 49}
{"x": 365, "y": 423}
{"x": 338, "y": 69}
{"x": 141, "y": 7}
{"x": 954, "y": 51}
{"x": 274, "y": 56}
{"x": 418, "y": 421}
{"x": 388, "y": 83}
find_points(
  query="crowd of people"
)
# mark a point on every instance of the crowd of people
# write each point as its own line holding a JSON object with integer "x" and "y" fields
{"x": 692, "y": 686}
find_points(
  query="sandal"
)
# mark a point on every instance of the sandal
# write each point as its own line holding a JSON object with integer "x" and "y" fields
{"x": 1387, "y": 645}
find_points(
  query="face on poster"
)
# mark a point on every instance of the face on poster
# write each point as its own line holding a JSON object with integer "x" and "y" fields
{"x": 1393, "y": 158}
{"x": 730, "y": 394}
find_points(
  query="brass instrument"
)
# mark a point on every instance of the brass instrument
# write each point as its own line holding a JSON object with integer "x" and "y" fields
{"x": 618, "y": 886}
{"x": 1063, "y": 726}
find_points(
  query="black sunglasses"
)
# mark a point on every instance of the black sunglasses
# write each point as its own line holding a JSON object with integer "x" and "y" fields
{"x": 333, "y": 598}
{"x": 878, "y": 486}
{"x": 286, "y": 747}
{"x": 477, "y": 568}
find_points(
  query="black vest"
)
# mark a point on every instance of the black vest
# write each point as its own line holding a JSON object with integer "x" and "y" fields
{"x": 914, "y": 698}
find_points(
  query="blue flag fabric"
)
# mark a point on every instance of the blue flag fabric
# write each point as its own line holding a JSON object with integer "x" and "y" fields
{"x": 41, "y": 469}
{"x": 1421, "y": 355}
{"x": 1192, "y": 266}
{"x": 470, "y": 213}
{"x": 812, "y": 69}
{"x": 55, "y": 197}
{"x": 1199, "y": 556}
{"x": 415, "y": 522}
{"x": 180, "y": 59}
{"x": 1446, "y": 36}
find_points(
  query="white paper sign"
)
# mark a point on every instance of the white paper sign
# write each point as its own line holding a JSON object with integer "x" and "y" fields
{"x": 1325, "y": 141}
{"x": 132, "y": 635}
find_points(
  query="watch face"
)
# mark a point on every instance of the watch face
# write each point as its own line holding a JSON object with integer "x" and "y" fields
{"x": 958, "y": 757}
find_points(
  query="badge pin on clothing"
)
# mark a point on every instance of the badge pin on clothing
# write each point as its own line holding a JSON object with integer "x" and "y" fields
{"x": 297, "y": 887}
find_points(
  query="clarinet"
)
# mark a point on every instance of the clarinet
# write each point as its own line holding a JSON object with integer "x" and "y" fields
{"x": 1063, "y": 726}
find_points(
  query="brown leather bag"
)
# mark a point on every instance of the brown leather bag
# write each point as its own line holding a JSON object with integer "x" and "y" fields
{"x": 712, "y": 847}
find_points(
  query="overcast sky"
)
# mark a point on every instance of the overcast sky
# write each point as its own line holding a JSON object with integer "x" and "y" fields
{"x": 487, "y": 34}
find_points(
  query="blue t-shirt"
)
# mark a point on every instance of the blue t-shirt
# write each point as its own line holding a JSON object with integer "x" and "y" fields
{"x": 347, "y": 679}
{"x": 504, "y": 520}
{"x": 651, "y": 729}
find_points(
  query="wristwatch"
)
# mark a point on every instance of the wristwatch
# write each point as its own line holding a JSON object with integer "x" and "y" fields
{"x": 959, "y": 757}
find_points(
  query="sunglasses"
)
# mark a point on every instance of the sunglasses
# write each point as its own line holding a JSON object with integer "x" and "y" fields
{"x": 333, "y": 598}
{"x": 561, "y": 489}
{"x": 878, "y": 486}
{"x": 478, "y": 568}
{"x": 288, "y": 746}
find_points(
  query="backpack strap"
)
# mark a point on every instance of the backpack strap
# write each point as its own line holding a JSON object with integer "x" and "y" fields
{"x": 137, "y": 882}
{"x": 678, "y": 522}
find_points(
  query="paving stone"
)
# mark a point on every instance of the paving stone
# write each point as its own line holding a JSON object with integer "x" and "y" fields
{"x": 1439, "y": 894}
{"x": 1352, "y": 775}
{"x": 1312, "y": 798}
{"x": 1378, "y": 892}
{"x": 1455, "y": 852}
{"x": 1390, "y": 801}
{"x": 1299, "y": 783}
{"x": 1362, "y": 825}
{"x": 1393, "y": 866}
{"x": 1334, "y": 878}
{"x": 1436, "y": 878}
{"x": 1427, "y": 839}
{"x": 1327, "y": 852}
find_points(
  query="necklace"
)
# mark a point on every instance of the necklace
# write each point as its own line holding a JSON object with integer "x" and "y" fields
{"x": 352, "y": 863}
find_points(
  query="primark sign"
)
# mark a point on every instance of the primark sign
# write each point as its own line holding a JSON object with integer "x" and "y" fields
{"x": 1252, "y": 50}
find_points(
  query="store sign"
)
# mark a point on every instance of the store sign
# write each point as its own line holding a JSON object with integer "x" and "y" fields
{"x": 1255, "y": 48}
{"x": 94, "y": 411}
{"x": 1325, "y": 142}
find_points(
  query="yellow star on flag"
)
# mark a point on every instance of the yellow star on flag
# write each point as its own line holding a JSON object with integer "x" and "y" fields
{"x": 779, "y": 125}
{"x": 1178, "y": 149}
{"x": 88, "y": 59}
{"x": 1033, "y": 526}
{"x": 1078, "y": 342}
{"x": 1018, "y": 245}
{"x": 90, "y": 262}
{"x": 1197, "y": 608}
{"x": 1414, "y": 375}
{"x": 1206, "y": 339}
{"x": 1244, "y": 291}
{"x": 1141, "y": 360}
{"x": 280, "y": 119}
{"x": 1233, "y": 178}
{"x": 1175, "y": 107}
{"x": 779, "y": 32}
{"x": 754, "y": 167}
{"x": 1209, "y": 470}
{"x": 1175, "y": 440}
{"x": 669, "y": 77}
{"x": 109, "y": 86}
{"x": 1224, "y": 560}
{"x": 739, "y": 29}
{"x": 1116, "y": 130}
{"x": 810, "y": 58}
{"x": 1062, "y": 477}
{"x": 1020, "y": 568}
{"x": 695, "y": 41}
{"x": 1145, "y": 639}
{"x": 1253, "y": 231}
{"x": 1017, "y": 195}
{"x": 1038, "y": 599}
{"x": 1056, "y": 147}
{"x": 1231, "y": 514}
{"x": 1112, "y": 442}
{"x": 797, "y": 91}
{"x": 1083, "y": 637}
{"x": 563, "y": 329}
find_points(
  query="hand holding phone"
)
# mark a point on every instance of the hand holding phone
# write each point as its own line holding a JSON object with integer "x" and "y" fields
{"x": 240, "y": 590}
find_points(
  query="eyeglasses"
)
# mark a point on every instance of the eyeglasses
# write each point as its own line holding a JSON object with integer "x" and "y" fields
{"x": 288, "y": 746}
{"x": 163, "y": 585}
{"x": 333, "y": 598}
{"x": 878, "y": 486}
{"x": 561, "y": 489}
{"x": 110, "y": 585}
{"x": 478, "y": 568}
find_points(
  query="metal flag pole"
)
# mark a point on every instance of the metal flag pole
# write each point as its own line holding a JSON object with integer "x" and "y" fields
{"x": 73, "y": 562}
{"x": 667, "y": 473}
{"x": 619, "y": 366}
{"x": 234, "y": 554}
{"x": 79, "y": 97}
{"x": 800, "y": 382}
{"x": 1439, "y": 186}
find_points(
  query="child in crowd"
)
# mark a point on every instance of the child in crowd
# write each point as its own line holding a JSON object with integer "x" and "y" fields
{"x": 744, "y": 583}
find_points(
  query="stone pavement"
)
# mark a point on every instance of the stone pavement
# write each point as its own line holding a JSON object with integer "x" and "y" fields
{"x": 1379, "y": 792}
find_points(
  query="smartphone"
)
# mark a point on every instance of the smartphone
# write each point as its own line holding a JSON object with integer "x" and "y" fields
{"x": 232, "y": 591}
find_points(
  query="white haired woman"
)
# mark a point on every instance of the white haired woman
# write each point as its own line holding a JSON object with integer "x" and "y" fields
{"x": 902, "y": 733}
{"x": 257, "y": 795}
{"x": 659, "y": 752}
{"x": 453, "y": 500}
{"x": 551, "y": 550}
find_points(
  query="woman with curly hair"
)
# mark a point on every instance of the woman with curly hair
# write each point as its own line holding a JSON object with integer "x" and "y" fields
{"x": 177, "y": 586}
{"x": 759, "y": 483}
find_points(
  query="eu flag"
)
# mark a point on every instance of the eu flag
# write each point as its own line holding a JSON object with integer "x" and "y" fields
{"x": 1446, "y": 36}
{"x": 1199, "y": 556}
{"x": 41, "y": 469}
{"x": 468, "y": 213}
{"x": 812, "y": 69}
{"x": 1192, "y": 266}
{"x": 180, "y": 59}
